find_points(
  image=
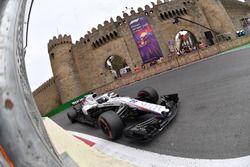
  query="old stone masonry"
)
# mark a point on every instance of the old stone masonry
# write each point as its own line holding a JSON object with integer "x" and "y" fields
{"x": 84, "y": 65}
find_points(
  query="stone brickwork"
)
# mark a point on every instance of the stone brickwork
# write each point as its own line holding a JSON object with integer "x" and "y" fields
{"x": 218, "y": 17}
{"x": 236, "y": 10}
{"x": 170, "y": 64}
{"x": 80, "y": 67}
{"x": 47, "y": 97}
{"x": 63, "y": 67}
{"x": 247, "y": 2}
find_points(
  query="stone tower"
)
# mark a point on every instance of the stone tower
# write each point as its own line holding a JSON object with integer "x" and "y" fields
{"x": 248, "y": 2}
{"x": 63, "y": 68}
{"x": 217, "y": 16}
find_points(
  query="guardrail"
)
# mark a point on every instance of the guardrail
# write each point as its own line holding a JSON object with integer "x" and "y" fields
{"x": 28, "y": 9}
{"x": 22, "y": 133}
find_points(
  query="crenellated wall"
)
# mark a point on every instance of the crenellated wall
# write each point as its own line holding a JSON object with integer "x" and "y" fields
{"x": 115, "y": 38}
{"x": 63, "y": 67}
{"x": 161, "y": 11}
{"x": 47, "y": 97}
{"x": 80, "y": 67}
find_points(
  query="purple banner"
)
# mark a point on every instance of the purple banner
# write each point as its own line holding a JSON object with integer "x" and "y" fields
{"x": 145, "y": 40}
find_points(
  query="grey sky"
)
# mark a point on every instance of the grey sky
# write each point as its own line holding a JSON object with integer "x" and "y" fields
{"x": 52, "y": 17}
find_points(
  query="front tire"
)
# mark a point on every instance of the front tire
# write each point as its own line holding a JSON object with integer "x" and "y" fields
{"x": 72, "y": 114}
{"x": 111, "y": 124}
{"x": 149, "y": 95}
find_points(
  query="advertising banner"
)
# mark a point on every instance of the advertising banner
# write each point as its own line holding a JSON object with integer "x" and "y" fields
{"x": 145, "y": 40}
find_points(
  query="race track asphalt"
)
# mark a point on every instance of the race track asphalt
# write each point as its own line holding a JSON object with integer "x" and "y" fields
{"x": 214, "y": 111}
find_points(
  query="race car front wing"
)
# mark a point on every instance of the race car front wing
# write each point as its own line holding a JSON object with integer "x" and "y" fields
{"x": 149, "y": 128}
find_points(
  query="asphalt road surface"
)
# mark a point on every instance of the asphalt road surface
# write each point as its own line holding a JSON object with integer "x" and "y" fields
{"x": 214, "y": 112}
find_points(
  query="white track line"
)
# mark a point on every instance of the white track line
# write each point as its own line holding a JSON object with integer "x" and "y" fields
{"x": 143, "y": 158}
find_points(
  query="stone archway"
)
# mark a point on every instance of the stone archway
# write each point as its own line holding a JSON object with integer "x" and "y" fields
{"x": 117, "y": 65}
{"x": 186, "y": 40}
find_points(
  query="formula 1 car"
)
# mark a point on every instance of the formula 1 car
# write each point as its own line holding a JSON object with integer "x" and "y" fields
{"x": 122, "y": 115}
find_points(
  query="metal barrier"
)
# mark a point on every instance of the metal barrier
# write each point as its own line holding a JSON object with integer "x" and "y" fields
{"x": 22, "y": 133}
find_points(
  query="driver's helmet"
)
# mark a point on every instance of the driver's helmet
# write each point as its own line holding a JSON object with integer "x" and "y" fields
{"x": 112, "y": 95}
{"x": 104, "y": 99}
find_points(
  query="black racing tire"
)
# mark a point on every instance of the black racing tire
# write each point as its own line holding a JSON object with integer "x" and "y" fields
{"x": 72, "y": 114}
{"x": 149, "y": 95}
{"x": 111, "y": 124}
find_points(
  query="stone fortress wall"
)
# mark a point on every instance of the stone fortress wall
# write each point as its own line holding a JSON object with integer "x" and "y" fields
{"x": 237, "y": 10}
{"x": 80, "y": 67}
{"x": 63, "y": 68}
{"x": 47, "y": 96}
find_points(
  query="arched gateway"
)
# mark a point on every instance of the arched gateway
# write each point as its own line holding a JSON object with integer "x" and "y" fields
{"x": 117, "y": 66}
{"x": 185, "y": 40}
{"x": 144, "y": 35}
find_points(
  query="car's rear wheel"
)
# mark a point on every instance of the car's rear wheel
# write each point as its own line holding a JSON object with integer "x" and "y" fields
{"x": 149, "y": 95}
{"x": 72, "y": 114}
{"x": 111, "y": 124}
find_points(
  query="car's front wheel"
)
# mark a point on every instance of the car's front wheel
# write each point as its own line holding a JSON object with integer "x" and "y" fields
{"x": 111, "y": 124}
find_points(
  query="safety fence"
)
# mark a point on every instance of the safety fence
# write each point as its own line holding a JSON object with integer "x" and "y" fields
{"x": 23, "y": 138}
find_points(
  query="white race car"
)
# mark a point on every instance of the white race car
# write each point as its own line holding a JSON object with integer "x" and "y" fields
{"x": 140, "y": 118}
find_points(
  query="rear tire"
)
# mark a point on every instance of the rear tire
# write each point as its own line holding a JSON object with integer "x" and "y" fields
{"x": 72, "y": 114}
{"x": 149, "y": 95}
{"x": 111, "y": 124}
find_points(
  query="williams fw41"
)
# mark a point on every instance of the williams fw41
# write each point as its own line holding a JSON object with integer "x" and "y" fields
{"x": 139, "y": 118}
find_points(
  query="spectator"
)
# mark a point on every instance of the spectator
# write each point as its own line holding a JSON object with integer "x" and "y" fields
{"x": 178, "y": 52}
{"x": 194, "y": 48}
{"x": 182, "y": 52}
{"x": 114, "y": 73}
{"x": 160, "y": 60}
{"x": 136, "y": 68}
{"x": 143, "y": 66}
{"x": 186, "y": 49}
{"x": 201, "y": 45}
{"x": 153, "y": 63}
{"x": 190, "y": 49}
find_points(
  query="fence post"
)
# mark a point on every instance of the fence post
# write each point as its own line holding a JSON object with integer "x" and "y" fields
{"x": 22, "y": 133}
